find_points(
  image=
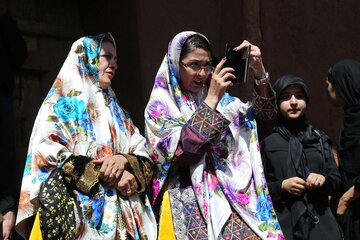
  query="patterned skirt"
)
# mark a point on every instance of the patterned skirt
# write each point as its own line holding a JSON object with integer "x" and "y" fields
{"x": 190, "y": 224}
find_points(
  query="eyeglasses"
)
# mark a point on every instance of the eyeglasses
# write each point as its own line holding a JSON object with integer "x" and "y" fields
{"x": 196, "y": 67}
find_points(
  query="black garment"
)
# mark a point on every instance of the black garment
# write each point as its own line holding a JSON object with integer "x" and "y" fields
{"x": 296, "y": 149}
{"x": 12, "y": 55}
{"x": 345, "y": 77}
{"x": 317, "y": 158}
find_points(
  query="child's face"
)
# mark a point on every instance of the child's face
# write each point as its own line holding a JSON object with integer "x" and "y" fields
{"x": 292, "y": 102}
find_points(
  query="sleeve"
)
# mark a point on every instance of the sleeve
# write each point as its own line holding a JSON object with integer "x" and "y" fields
{"x": 274, "y": 183}
{"x": 7, "y": 203}
{"x": 198, "y": 134}
{"x": 141, "y": 168}
{"x": 331, "y": 173}
{"x": 357, "y": 183}
{"x": 81, "y": 173}
{"x": 264, "y": 108}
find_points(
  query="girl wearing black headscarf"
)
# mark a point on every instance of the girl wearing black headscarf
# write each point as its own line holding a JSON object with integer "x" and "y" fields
{"x": 343, "y": 85}
{"x": 299, "y": 167}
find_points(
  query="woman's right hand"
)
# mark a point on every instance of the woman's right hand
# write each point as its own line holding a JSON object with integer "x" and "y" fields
{"x": 294, "y": 186}
{"x": 111, "y": 168}
{"x": 220, "y": 80}
{"x": 346, "y": 199}
{"x": 127, "y": 184}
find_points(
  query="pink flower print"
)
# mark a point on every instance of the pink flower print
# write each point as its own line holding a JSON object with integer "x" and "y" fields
{"x": 212, "y": 182}
{"x": 158, "y": 109}
{"x": 271, "y": 235}
{"x": 242, "y": 198}
{"x": 155, "y": 114}
{"x": 156, "y": 188}
{"x": 280, "y": 237}
{"x": 197, "y": 188}
{"x": 205, "y": 207}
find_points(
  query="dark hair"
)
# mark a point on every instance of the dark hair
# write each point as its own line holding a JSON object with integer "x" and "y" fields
{"x": 194, "y": 42}
{"x": 328, "y": 75}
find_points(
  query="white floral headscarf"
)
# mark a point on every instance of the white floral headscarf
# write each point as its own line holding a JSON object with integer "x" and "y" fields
{"x": 240, "y": 175}
{"x": 79, "y": 118}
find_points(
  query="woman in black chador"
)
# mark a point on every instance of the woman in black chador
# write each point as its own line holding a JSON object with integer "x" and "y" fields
{"x": 343, "y": 87}
{"x": 299, "y": 167}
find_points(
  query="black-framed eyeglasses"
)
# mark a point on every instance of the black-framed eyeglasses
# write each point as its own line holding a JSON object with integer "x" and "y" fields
{"x": 196, "y": 67}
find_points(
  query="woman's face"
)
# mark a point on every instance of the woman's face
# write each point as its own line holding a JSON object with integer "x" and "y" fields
{"x": 334, "y": 96}
{"x": 107, "y": 64}
{"x": 195, "y": 68}
{"x": 292, "y": 102}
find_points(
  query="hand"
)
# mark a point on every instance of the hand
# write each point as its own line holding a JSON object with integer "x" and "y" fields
{"x": 343, "y": 204}
{"x": 255, "y": 63}
{"x": 294, "y": 186}
{"x": 127, "y": 184}
{"x": 314, "y": 180}
{"x": 218, "y": 84}
{"x": 7, "y": 225}
{"x": 111, "y": 168}
{"x": 346, "y": 200}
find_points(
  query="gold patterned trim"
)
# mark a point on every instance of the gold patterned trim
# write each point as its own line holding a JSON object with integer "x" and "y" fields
{"x": 88, "y": 179}
{"x": 84, "y": 176}
{"x": 141, "y": 169}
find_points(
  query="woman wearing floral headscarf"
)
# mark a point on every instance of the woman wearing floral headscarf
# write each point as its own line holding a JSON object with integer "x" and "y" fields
{"x": 209, "y": 181}
{"x": 87, "y": 164}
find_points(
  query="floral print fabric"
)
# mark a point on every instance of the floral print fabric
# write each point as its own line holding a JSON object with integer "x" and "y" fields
{"x": 78, "y": 118}
{"x": 237, "y": 180}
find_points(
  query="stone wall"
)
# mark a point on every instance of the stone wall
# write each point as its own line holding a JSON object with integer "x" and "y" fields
{"x": 301, "y": 37}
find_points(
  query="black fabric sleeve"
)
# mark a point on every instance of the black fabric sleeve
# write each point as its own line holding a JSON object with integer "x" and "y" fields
{"x": 331, "y": 172}
{"x": 273, "y": 182}
{"x": 7, "y": 203}
{"x": 81, "y": 173}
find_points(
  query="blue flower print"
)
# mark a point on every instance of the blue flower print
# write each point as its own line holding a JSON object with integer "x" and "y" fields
{"x": 226, "y": 99}
{"x": 118, "y": 115}
{"x": 263, "y": 208}
{"x": 43, "y": 174}
{"x": 82, "y": 198}
{"x": 106, "y": 228}
{"x": 110, "y": 192}
{"x": 69, "y": 109}
{"x": 50, "y": 93}
{"x": 97, "y": 206}
{"x": 165, "y": 168}
{"x": 86, "y": 123}
{"x": 91, "y": 47}
{"x": 27, "y": 169}
{"x": 250, "y": 118}
{"x": 277, "y": 226}
{"x": 173, "y": 80}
